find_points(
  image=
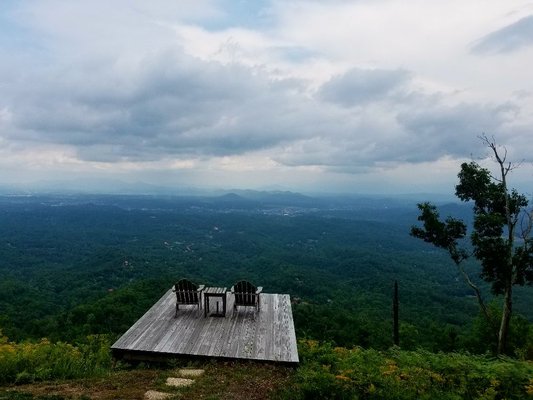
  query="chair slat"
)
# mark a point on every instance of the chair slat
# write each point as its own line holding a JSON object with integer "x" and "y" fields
{"x": 245, "y": 294}
{"x": 187, "y": 293}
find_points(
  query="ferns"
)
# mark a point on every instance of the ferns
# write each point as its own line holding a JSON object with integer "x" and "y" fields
{"x": 340, "y": 373}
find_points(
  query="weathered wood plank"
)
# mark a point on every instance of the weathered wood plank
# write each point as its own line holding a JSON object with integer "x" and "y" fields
{"x": 284, "y": 326}
{"x": 139, "y": 327}
{"x": 261, "y": 331}
{"x": 291, "y": 347}
{"x": 185, "y": 334}
{"x": 183, "y": 324}
{"x": 269, "y": 346}
{"x": 244, "y": 333}
{"x": 205, "y": 337}
{"x": 220, "y": 338}
{"x": 246, "y": 347}
{"x": 237, "y": 341}
{"x": 230, "y": 335}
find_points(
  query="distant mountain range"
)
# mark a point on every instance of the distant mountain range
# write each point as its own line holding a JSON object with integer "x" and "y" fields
{"x": 273, "y": 195}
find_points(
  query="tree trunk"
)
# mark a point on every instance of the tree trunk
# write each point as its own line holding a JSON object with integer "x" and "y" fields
{"x": 395, "y": 319}
{"x": 506, "y": 318}
{"x": 509, "y": 278}
{"x": 480, "y": 301}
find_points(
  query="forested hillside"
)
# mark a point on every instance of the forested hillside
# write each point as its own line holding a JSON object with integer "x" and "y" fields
{"x": 78, "y": 265}
{"x": 79, "y": 270}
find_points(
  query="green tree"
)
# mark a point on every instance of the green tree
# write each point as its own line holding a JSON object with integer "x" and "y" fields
{"x": 501, "y": 236}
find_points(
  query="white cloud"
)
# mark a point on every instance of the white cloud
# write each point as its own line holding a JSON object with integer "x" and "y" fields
{"x": 316, "y": 92}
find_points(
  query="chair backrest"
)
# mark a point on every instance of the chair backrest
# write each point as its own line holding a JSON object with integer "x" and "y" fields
{"x": 186, "y": 292}
{"x": 245, "y": 293}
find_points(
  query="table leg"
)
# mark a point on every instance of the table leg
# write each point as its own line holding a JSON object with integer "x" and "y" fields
{"x": 224, "y": 304}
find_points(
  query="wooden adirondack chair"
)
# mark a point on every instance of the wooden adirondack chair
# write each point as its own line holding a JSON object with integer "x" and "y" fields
{"x": 246, "y": 294}
{"x": 187, "y": 293}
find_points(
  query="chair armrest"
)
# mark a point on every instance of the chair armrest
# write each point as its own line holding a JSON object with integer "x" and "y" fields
{"x": 259, "y": 289}
{"x": 232, "y": 290}
{"x": 200, "y": 288}
{"x": 174, "y": 288}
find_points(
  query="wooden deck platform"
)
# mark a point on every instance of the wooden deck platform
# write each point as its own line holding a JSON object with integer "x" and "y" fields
{"x": 267, "y": 335}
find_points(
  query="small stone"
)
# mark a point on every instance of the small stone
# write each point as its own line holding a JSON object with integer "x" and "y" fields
{"x": 155, "y": 395}
{"x": 191, "y": 373}
{"x": 179, "y": 382}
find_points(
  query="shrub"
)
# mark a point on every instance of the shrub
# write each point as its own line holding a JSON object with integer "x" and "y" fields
{"x": 29, "y": 361}
{"x": 338, "y": 373}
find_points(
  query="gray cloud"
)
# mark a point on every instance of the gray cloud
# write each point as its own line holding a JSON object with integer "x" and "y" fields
{"x": 170, "y": 104}
{"x": 507, "y": 39}
{"x": 128, "y": 90}
{"x": 175, "y": 105}
{"x": 359, "y": 86}
{"x": 436, "y": 131}
{"x": 423, "y": 130}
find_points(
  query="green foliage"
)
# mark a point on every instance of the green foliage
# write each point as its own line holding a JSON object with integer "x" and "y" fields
{"x": 441, "y": 234}
{"x": 331, "y": 323}
{"x": 75, "y": 267}
{"x": 480, "y": 337}
{"x": 496, "y": 210}
{"x": 505, "y": 255}
{"x": 329, "y": 372}
{"x": 27, "y": 362}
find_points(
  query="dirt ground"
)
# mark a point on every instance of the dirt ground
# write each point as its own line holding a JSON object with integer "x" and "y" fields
{"x": 119, "y": 385}
{"x": 235, "y": 381}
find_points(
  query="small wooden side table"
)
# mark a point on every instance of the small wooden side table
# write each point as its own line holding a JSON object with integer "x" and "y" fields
{"x": 215, "y": 292}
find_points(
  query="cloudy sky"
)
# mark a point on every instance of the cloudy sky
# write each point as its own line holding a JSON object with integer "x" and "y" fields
{"x": 380, "y": 96}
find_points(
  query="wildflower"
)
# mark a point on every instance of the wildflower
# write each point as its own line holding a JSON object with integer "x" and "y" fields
{"x": 390, "y": 368}
{"x": 343, "y": 378}
{"x": 529, "y": 388}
